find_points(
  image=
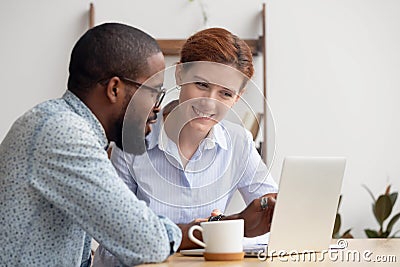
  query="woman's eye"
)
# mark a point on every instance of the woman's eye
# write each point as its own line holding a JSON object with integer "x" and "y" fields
{"x": 202, "y": 85}
{"x": 227, "y": 94}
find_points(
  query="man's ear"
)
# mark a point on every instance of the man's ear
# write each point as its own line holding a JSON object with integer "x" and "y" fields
{"x": 114, "y": 89}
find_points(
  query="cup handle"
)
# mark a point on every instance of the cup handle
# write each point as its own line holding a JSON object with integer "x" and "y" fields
{"x": 193, "y": 238}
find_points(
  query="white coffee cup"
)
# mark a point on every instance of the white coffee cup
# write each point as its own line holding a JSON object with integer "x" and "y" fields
{"x": 223, "y": 240}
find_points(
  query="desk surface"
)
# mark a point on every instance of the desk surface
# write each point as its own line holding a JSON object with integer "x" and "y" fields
{"x": 359, "y": 252}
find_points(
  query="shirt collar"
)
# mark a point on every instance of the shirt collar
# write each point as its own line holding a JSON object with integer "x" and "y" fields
{"x": 216, "y": 137}
{"x": 158, "y": 136}
{"x": 82, "y": 110}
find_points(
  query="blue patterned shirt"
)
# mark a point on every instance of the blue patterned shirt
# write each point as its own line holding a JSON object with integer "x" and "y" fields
{"x": 58, "y": 188}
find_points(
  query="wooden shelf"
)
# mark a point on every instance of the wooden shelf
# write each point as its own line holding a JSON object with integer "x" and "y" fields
{"x": 172, "y": 47}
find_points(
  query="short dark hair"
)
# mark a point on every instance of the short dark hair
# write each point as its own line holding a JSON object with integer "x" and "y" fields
{"x": 108, "y": 50}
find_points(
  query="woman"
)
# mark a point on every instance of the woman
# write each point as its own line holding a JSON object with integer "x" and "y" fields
{"x": 195, "y": 160}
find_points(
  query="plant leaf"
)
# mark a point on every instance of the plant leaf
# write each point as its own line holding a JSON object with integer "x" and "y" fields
{"x": 369, "y": 191}
{"x": 384, "y": 234}
{"x": 393, "y": 197}
{"x": 347, "y": 234}
{"x": 336, "y": 228}
{"x": 371, "y": 233}
{"x": 383, "y": 208}
{"x": 338, "y": 206}
{"x": 394, "y": 219}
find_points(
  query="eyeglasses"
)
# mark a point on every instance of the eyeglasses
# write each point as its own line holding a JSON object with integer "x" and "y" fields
{"x": 159, "y": 91}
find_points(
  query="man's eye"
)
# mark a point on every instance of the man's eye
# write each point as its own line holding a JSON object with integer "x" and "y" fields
{"x": 154, "y": 90}
{"x": 158, "y": 88}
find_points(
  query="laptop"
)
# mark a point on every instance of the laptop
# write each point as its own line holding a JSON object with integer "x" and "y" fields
{"x": 305, "y": 210}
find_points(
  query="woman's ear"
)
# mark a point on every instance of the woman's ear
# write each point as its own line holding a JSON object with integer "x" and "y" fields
{"x": 239, "y": 95}
{"x": 114, "y": 89}
{"x": 178, "y": 73}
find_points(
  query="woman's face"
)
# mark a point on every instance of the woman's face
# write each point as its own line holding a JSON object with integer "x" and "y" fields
{"x": 208, "y": 91}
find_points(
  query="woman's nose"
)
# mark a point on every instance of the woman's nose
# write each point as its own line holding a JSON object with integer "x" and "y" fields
{"x": 208, "y": 102}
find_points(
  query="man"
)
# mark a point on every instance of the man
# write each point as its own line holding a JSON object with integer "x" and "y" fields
{"x": 58, "y": 186}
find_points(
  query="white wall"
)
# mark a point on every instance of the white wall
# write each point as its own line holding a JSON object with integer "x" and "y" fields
{"x": 334, "y": 80}
{"x": 333, "y": 73}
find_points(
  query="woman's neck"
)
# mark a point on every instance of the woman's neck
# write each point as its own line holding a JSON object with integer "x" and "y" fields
{"x": 185, "y": 137}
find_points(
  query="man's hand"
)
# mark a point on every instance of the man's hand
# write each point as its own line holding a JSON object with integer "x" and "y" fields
{"x": 257, "y": 220}
{"x": 186, "y": 243}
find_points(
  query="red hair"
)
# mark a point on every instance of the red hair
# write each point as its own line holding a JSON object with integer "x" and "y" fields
{"x": 220, "y": 46}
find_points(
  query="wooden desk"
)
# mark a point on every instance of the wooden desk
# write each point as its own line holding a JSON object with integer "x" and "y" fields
{"x": 387, "y": 251}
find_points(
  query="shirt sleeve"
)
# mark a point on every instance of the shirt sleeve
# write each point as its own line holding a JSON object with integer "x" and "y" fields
{"x": 103, "y": 258}
{"x": 72, "y": 171}
{"x": 256, "y": 180}
{"x": 172, "y": 232}
{"x": 121, "y": 161}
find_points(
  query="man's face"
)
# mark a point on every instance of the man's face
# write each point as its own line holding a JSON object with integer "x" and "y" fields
{"x": 139, "y": 112}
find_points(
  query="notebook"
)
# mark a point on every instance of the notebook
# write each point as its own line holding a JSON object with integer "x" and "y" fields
{"x": 305, "y": 210}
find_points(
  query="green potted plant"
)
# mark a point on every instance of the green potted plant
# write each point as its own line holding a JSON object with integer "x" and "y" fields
{"x": 338, "y": 223}
{"x": 382, "y": 207}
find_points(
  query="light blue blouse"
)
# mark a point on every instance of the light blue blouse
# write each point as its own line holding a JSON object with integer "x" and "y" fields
{"x": 225, "y": 161}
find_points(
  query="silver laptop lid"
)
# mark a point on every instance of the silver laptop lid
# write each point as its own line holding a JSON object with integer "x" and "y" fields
{"x": 309, "y": 190}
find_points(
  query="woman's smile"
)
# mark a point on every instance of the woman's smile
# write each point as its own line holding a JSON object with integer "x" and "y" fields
{"x": 201, "y": 114}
